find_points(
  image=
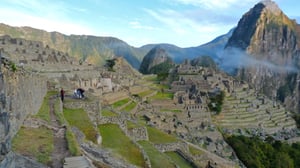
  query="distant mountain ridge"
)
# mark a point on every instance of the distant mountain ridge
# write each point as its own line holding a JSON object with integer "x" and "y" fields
{"x": 96, "y": 50}
{"x": 90, "y": 48}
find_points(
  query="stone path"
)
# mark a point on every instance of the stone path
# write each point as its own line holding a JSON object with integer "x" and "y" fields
{"x": 60, "y": 150}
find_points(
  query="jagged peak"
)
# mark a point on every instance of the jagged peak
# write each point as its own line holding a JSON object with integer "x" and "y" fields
{"x": 271, "y": 6}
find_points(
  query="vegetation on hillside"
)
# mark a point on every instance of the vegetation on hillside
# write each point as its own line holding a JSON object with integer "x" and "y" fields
{"x": 254, "y": 152}
{"x": 110, "y": 63}
{"x": 288, "y": 88}
{"x": 216, "y": 102}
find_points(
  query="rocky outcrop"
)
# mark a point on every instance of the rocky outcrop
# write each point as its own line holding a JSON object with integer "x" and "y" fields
{"x": 21, "y": 94}
{"x": 270, "y": 41}
{"x": 155, "y": 57}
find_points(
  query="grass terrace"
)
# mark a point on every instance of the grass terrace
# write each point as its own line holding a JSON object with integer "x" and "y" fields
{"x": 131, "y": 125}
{"x": 108, "y": 113}
{"x": 120, "y": 144}
{"x": 72, "y": 144}
{"x": 157, "y": 159}
{"x": 162, "y": 95}
{"x": 145, "y": 93}
{"x": 120, "y": 103}
{"x": 179, "y": 160}
{"x": 194, "y": 151}
{"x": 130, "y": 106}
{"x": 80, "y": 119}
{"x": 42, "y": 147}
{"x": 44, "y": 109}
{"x": 158, "y": 137}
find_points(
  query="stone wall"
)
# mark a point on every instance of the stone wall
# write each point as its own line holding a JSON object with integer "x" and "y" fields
{"x": 21, "y": 94}
{"x": 169, "y": 147}
{"x": 138, "y": 134}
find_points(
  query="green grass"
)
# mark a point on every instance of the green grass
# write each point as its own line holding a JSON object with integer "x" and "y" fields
{"x": 44, "y": 109}
{"x": 158, "y": 137}
{"x": 179, "y": 160}
{"x": 80, "y": 119}
{"x": 59, "y": 113}
{"x": 157, "y": 159}
{"x": 145, "y": 93}
{"x": 131, "y": 125}
{"x": 120, "y": 103}
{"x": 130, "y": 106}
{"x": 34, "y": 142}
{"x": 151, "y": 78}
{"x": 195, "y": 151}
{"x": 108, "y": 113}
{"x": 163, "y": 95}
{"x": 120, "y": 144}
{"x": 72, "y": 144}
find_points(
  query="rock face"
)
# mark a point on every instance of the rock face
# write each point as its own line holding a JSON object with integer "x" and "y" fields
{"x": 20, "y": 94}
{"x": 271, "y": 43}
{"x": 156, "y": 56}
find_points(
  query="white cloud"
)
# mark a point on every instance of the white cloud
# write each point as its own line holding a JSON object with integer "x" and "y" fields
{"x": 138, "y": 25}
{"x": 180, "y": 23}
{"x": 216, "y": 4}
{"x": 18, "y": 18}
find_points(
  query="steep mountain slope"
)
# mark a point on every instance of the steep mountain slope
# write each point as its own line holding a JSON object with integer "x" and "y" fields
{"x": 266, "y": 43}
{"x": 156, "y": 60}
{"x": 90, "y": 48}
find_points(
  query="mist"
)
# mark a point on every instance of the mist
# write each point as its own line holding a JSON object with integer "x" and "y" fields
{"x": 233, "y": 58}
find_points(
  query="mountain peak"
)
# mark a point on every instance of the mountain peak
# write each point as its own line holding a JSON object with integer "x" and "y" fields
{"x": 271, "y": 6}
{"x": 154, "y": 57}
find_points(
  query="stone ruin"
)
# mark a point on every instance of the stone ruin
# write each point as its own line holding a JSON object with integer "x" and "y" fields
{"x": 32, "y": 52}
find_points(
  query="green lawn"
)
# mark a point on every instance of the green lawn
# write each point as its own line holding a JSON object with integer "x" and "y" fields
{"x": 119, "y": 143}
{"x": 108, "y": 113}
{"x": 40, "y": 147}
{"x": 145, "y": 93}
{"x": 158, "y": 137}
{"x": 120, "y": 103}
{"x": 163, "y": 95}
{"x": 130, "y": 106}
{"x": 157, "y": 159}
{"x": 72, "y": 144}
{"x": 179, "y": 160}
{"x": 195, "y": 151}
{"x": 131, "y": 125}
{"x": 80, "y": 119}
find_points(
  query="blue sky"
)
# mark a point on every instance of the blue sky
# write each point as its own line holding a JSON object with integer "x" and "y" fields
{"x": 185, "y": 23}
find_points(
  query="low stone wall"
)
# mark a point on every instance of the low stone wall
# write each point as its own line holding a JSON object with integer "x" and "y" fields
{"x": 110, "y": 98}
{"x": 138, "y": 134}
{"x": 168, "y": 147}
{"x": 92, "y": 109}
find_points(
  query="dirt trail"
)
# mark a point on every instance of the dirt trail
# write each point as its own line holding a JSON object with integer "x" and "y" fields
{"x": 60, "y": 150}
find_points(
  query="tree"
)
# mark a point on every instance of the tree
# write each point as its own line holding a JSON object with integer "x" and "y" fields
{"x": 110, "y": 64}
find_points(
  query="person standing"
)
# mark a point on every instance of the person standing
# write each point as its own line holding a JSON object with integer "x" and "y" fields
{"x": 62, "y": 94}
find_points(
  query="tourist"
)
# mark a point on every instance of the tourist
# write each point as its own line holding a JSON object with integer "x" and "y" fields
{"x": 62, "y": 94}
{"x": 80, "y": 92}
